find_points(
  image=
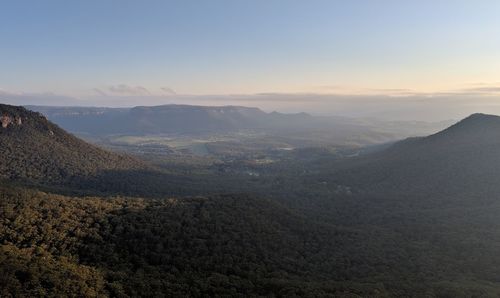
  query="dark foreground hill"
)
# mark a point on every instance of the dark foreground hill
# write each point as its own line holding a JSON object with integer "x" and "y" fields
{"x": 231, "y": 246}
{"x": 241, "y": 246}
{"x": 463, "y": 159}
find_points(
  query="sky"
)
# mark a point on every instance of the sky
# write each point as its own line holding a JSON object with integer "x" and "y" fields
{"x": 313, "y": 55}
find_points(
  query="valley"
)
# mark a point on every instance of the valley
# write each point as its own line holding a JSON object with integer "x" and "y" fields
{"x": 254, "y": 149}
{"x": 252, "y": 218}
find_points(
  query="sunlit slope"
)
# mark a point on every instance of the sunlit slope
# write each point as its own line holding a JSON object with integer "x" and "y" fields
{"x": 32, "y": 149}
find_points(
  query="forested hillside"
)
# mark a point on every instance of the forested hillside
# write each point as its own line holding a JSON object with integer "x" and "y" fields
{"x": 400, "y": 221}
{"x": 224, "y": 245}
{"x": 215, "y": 246}
{"x": 35, "y": 150}
{"x": 462, "y": 160}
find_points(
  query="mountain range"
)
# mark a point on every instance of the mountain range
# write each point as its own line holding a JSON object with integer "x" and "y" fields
{"x": 418, "y": 218}
{"x": 189, "y": 119}
{"x": 169, "y": 119}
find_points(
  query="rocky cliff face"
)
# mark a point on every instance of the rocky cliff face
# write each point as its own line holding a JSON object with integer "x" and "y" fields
{"x": 7, "y": 120}
{"x": 13, "y": 118}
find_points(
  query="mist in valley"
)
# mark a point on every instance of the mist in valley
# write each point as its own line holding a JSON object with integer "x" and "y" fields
{"x": 249, "y": 149}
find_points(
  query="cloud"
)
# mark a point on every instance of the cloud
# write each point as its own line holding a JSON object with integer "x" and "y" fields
{"x": 346, "y": 90}
{"x": 99, "y": 92}
{"x": 479, "y": 89}
{"x": 168, "y": 91}
{"x": 124, "y": 89}
{"x": 128, "y": 90}
{"x": 489, "y": 89}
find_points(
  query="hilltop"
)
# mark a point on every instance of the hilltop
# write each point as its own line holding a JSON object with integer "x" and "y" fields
{"x": 36, "y": 151}
{"x": 463, "y": 159}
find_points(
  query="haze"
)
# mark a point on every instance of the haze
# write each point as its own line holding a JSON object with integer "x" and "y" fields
{"x": 428, "y": 60}
{"x": 258, "y": 148}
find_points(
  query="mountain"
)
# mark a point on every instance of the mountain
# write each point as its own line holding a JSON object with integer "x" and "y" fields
{"x": 369, "y": 226}
{"x": 168, "y": 119}
{"x": 55, "y": 245}
{"x": 84, "y": 119}
{"x": 34, "y": 150}
{"x": 198, "y": 119}
{"x": 439, "y": 193}
{"x": 463, "y": 159}
{"x": 37, "y": 152}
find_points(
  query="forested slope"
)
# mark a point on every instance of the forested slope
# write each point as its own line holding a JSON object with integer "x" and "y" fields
{"x": 461, "y": 160}
{"x": 224, "y": 245}
{"x": 36, "y": 150}
{"x": 378, "y": 238}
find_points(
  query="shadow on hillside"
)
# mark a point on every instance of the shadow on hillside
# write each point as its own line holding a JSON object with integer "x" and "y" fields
{"x": 223, "y": 245}
{"x": 132, "y": 183}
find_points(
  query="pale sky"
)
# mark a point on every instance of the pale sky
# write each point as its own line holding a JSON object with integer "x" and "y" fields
{"x": 91, "y": 49}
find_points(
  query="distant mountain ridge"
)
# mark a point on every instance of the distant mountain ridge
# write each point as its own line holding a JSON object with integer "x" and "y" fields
{"x": 169, "y": 119}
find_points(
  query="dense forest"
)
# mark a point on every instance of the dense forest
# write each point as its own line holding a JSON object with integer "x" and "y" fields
{"x": 36, "y": 150}
{"x": 54, "y": 245}
{"x": 77, "y": 220}
{"x": 221, "y": 245}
